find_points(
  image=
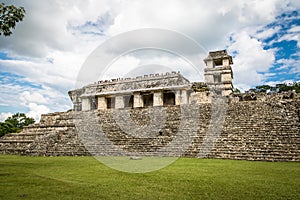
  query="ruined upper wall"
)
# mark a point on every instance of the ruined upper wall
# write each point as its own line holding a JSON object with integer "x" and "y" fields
{"x": 83, "y": 98}
{"x": 140, "y": 83}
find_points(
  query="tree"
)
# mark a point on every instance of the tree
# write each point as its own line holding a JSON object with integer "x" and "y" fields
{"x": 265, "y": 88}
{"x": 15, "y": 123}
{"x": 282, "y": 87}
{"x": 9, "y": 17}
{"x": 236, "y": 91}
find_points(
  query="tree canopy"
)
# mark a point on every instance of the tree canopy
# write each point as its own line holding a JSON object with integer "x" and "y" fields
{"x": 282, "y": 87}
{"x": 15, "y": 123}
{"x": 9, "y": 17}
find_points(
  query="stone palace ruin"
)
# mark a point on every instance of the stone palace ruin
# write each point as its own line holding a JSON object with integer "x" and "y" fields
{"x": 255, "y": 126}
{"x": 157, "y": 89}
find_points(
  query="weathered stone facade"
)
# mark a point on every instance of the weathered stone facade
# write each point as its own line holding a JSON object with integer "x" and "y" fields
{"x": 157, "y": 89}
{"x": 164, "y": 108}
{"x": 218, "y": 73}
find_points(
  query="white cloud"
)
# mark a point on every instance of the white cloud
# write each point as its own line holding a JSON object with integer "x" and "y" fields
{"x": 153, "y": 61}
{"x": 46, "y": 23}
{"x": 294, "y": 29}
{"x": 267, "y": 33}
{"x": 291, "y": 65}
{"x": 49, "y": 47}
{"x": 290, "y": 37}
{"x": 36, "y": 111}
{"x": 34, "y": 97}
{"x": 4, "y": 116}
{"x": 251, "y": 59}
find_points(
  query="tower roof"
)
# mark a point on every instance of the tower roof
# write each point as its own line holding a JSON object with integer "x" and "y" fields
{"x": 217, "y": 56}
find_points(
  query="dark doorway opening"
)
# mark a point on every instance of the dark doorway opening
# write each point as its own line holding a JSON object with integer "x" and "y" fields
{"x": 128, "y": 101}
{"x": 94, "y": 103}
{"x": 148, "y": 100}
{"x": 169, "y": 98}
{"x": 110, "y": 102}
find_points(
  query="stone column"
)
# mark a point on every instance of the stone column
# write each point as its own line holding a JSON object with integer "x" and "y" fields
{"x": 184, "y": 97}
{"x": 86, "y": 104}
{"x": 209, "y": 78}
{"x": 102, "y": 103}
{"x": 158, "y": 99}
{"x": 226, "y": 77}
{"x": 225, "y": 62}
{"x": 119, "y": 102}
{"x": 181, "y": 97}
{"x": 210, "y": 64}
{"x": 138, "y": 101}
{"x": 177, "y": 97}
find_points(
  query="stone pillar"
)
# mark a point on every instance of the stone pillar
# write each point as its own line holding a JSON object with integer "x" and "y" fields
{"x": 158, "y": 99}
{"x": 119, "y": 102}
{"x": 184, "y": 97}
{"x": 138, "y": 101}
{"x": 225, "y": 62}
{"x": 86, "y": 104}
{"x": 210, "y": 64}
{"x": 177, "y": 97}
{"x": 102, "y": 103}
{"x": 181, "y": 97}
{"x": 209, "y": 78}
{"x": 226, "y": 77}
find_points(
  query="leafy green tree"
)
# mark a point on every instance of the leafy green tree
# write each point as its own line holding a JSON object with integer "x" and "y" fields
{"x": 5, "y": 128}
{"x": 236, "y": 91}
{"x": 284, "y": 87}
{"x": 265, "y": 88}
{"x": 9, "y": 17}
{"x": 15, "y": 123}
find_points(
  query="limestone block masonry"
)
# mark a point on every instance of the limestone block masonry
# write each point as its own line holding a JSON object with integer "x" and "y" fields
{"x": 256, "y": 127}
{"x": 264, "y": 129}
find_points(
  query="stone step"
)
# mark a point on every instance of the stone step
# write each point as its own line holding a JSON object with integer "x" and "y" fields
{"x": 16, "y": 141}
{"x": 29, "y": 134}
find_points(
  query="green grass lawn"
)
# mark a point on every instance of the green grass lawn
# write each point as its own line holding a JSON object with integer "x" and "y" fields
{"x": 187, "y": 178}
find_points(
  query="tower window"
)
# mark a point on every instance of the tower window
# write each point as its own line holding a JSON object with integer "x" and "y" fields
{"x": 217, "y": 78}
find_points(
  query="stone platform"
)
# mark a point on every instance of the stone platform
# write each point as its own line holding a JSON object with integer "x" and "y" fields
{"x": 263, "y": 129}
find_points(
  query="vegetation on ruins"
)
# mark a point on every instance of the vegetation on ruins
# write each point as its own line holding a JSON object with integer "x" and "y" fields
{"x": 188, "y": 178}
{"x": 9, "y": 17}
{"x": 15, "y": 123}
{"x": 279, "y": 88}
{"x": 236, "y": 91}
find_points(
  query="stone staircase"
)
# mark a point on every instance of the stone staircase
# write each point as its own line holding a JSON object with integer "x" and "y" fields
{"x": 252, "y": 130}
{"x": 261, "y": 131}
{"x": 54, "y": 135}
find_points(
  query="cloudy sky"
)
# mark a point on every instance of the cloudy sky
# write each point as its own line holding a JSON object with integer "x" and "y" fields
{"x": 40, "y": 62}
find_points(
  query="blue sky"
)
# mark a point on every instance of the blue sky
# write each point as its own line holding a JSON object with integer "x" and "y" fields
{"x": 40, "y": 62}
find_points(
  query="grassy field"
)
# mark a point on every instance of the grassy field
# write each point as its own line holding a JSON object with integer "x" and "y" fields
{"x": 187, "y": 178}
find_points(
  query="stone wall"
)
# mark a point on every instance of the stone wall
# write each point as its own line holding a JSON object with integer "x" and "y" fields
{"x": 267, "y": 128}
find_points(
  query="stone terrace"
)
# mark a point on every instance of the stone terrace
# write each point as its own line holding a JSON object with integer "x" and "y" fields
{"x": 263, "y": 129}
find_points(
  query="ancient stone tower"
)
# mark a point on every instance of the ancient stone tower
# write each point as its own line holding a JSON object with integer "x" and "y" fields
{"x": 218, "y": 72}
